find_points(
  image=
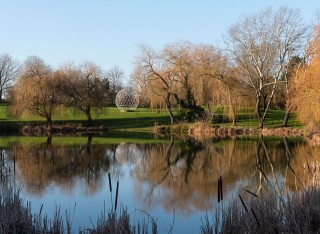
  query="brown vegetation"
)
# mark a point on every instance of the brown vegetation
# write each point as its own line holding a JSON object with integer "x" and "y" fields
{"x": 29, "y": 130}
{"x": 298, "y": 213}
{"x": 202, "y": 131}
{"x": 16, "y": 217}
{"x": 306, "y": 88}
{"x": 36, "y": 90}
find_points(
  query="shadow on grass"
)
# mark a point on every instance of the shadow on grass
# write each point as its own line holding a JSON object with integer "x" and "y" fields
{"x": 127, "y": 123}
{"x": 13, "y": 127}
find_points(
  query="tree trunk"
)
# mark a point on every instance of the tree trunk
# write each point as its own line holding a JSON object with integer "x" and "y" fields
{"x": 233, "y": 109}
{"x": 258, "y": 101}
{"x": 286, "y": 118}
{"x": 49, "y": 121}
{"x": 1, "y": 93}
{"x": 264, "y": 102}
{"x": 261, "y": 122}
{"x": 89, "y": 118}
{"x": 268, "y": 105}
{"x": 168, "y": 107}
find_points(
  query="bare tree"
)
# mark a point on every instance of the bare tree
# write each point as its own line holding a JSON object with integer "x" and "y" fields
{"x": 180, "y": 74}
{"x": 115, "y": 78}
{"x": 162, "y": 81}
{"x": 261, "y": 46}
{"x": 84, "y": 87}
{"x": 8, "y": 73}
{"x": 36, "y": 90}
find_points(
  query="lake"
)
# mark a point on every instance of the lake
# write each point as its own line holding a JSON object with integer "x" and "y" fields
{"x": 172, "y": 179}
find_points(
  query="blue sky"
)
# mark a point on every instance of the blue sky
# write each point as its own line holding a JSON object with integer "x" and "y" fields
{"x": 108, "y": 32}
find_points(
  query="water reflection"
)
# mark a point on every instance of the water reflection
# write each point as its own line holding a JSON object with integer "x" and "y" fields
{"x": 181, "y": 174}
{"x": 40, "y": 165}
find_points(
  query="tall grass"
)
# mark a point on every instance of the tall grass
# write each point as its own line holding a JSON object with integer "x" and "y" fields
{"x": 299, "y": 213}
{"x": 271, "y": 211}
{"x": 16, "y": 217}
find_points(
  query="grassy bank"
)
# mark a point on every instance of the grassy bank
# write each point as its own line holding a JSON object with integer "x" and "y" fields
{"x": 143, "y": 119}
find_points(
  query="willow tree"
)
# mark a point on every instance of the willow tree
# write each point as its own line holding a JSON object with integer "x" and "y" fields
{"x": 150, "y": 65}
{"x": 36, "y": 90}
{"x": 260, "y": 46}
{"x": 181, "y": 73}
{"x": 83, "y": 88}
{"x": 214, "y": 75}
{"x": 305, "y": 88}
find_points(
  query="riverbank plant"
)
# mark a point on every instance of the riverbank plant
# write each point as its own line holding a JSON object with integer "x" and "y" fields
{"x": 16, "y": 217}
{"x": 273, "y": 210}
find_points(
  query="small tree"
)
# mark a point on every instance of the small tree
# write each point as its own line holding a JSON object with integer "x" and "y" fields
{"x": 36, "y": 90}
{"x": 114, "y": 78}
{"x": 8, "y": 73}
{"x": 83, "y": 87}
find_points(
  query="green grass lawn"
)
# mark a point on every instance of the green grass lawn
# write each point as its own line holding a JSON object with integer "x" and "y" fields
{"x": 142, "y": 119}
{"x": 274, "y": 119}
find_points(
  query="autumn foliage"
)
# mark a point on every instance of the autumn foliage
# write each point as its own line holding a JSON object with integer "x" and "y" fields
{"x": 306, "y": 89}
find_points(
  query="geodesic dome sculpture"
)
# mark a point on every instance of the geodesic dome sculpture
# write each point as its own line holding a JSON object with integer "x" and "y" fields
{"x": 127, "y": 100}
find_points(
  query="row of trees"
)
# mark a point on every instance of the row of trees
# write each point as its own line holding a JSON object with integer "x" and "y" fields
{"x": 268, "y": 60}
{"x": 36, "y": 87}
{"x": 257, "y": 66}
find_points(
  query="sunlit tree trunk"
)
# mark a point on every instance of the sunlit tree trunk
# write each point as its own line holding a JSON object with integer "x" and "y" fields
{"x": 168, "y": 108}
{"x": 286, "y": 118}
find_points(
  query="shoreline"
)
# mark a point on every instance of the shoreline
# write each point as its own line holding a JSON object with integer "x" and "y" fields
{"x": 203, "y": 130}
{"x": 198, "y": 131}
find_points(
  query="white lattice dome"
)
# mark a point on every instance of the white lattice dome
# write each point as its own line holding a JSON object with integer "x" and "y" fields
{"x": 127, "y": 100}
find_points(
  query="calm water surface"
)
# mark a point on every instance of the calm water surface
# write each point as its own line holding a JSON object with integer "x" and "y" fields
{"x": 173, "y": 180}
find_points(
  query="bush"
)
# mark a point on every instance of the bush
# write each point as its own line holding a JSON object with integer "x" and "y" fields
{"x": 191, "y": 114}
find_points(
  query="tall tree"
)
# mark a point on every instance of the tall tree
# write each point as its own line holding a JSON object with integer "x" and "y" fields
{"x": 212, "y": 65}
{"x": 36, "y": 90}
{"x": 180, "y": 61}
{"x": 261, "y": 46}
{"x": 84, "y": 87}
{"x": 115, "y": 78}
{"x": 305, "y": 86}
{"x": 292, "y": 68}
{"x": 8, "y": 73}
{"x": 180, "y": 74}
{"x": 162, "y": 81}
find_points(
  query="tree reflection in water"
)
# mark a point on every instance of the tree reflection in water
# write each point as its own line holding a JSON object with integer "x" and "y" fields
{"x": 182, "y": 173}
{"x": 42, "y": 164}
{"x": 185, "y": 175}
